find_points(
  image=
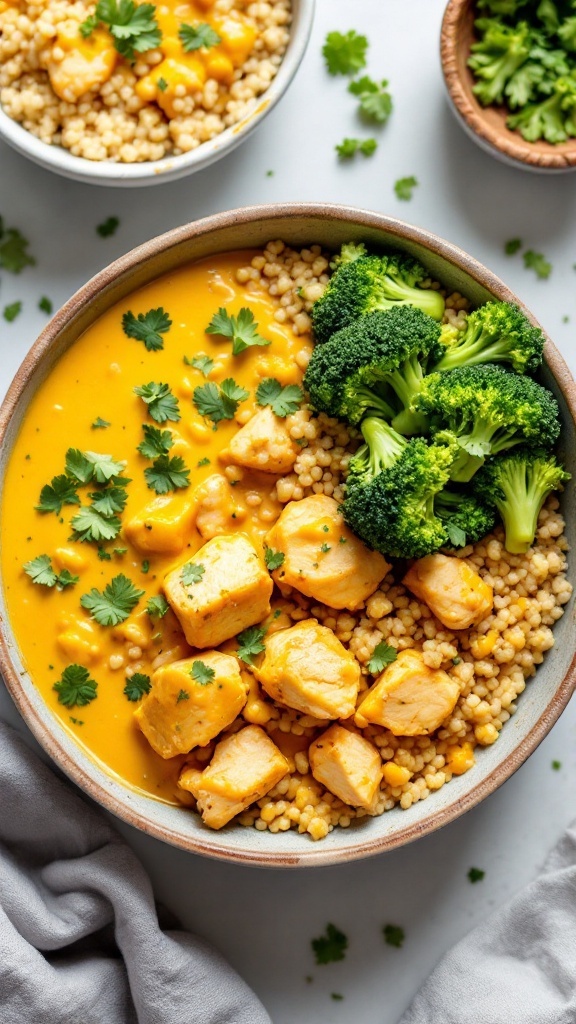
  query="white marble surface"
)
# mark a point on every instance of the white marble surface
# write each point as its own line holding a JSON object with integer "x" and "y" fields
{"x": 264, "y": 920}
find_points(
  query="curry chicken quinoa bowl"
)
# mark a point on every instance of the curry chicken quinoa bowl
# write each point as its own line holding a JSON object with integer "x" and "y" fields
{"x": 222, "y": 646}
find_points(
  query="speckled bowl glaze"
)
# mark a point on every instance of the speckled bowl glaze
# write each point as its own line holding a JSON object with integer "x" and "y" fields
{"x": 154, "y": 172}
{"x": 545, "y": 696}
{"x": 487, "y": 125}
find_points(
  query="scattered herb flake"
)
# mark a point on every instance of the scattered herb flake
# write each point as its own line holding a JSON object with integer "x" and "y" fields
{"x": 162, "y": 84}
{"x": 114, "y": 604}
{"x": 12, "y": 311}
{"x": 200, "y": 362}
{"x": 374, "y": 99}
{"x": 157, "y": 606}
{"x": 404, "y": 187}
{"x": 393, "y": 935}
{"x": 512, "y": 246}
{"x": 203, "y": 462}
{"x": 202, "y": 673}
{"x": 99, "y": 424}
{"x": 345, "y": 53}
{"x": 556, "y": 765}
{"x": 13, "y": 246}
{"x": 324, "y": 548}
{"x": 330, "y": 947}
{"x": 145, "y": 566}
{"x": 349, "y": 147}
{"x": 161, "y": 403}
{"x": 147, "y": 327}
{"x": 382, "y": 655}
{"x": 75, "y": 688}
{"x": 76, "y": 721}
{"x": 137, "y": 685}
{"x": 108, "y": 227}
{"x": 242, "y": 329}
{"x": 45, "y": 305}
{"x": 219, "y": 403}
{"x": 273, "y": 559}
{"x": 197, "y": 37}
{"x": 336, "y": 996}
{"x": 475, "y": 875}
{"x": 191, "y": 573}
{"x": 182, "y": 695}
{"x": 535, "y": 261}
{"x": 283, "y": 400}
{"x": 250, "y": 643}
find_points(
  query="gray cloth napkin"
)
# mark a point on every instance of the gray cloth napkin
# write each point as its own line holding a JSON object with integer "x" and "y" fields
{"x": 519, "y": 967}
{"x": 80, "y": 941}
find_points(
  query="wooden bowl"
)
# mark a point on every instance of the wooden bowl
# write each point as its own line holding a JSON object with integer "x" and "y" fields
{"x": 539, "y": 706}
{"x": 487, "y": 125}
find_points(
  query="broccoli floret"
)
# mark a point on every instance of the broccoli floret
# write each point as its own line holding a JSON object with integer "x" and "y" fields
{"x": 518, "y": 485}
{"x": 499, "y": 53}
{"x": 349, "y": 252}
{"x": 383, "y": 446}
{"x": 502, "y": 7}
{"x": 489, "y": 410}
{"x": 378, "y": 362}
{"x": 497, "y": 332}
{"x": 567, "y": 33}
{"x": 466, "y": 518}
{"x": 553, "y": 119}
{"x": 366, "y": 283}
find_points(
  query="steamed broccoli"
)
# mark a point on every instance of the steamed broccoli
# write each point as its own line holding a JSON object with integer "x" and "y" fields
{"x": 497, "y": 332}
{"x": 489, "y": 410}
{"x": 554, "y": 118}
{"x": 497, "y": 56}
{"x": 378, "y": 362}
{"x": 364, "y": 283}
{"x": 466, "y": 518}
{"x": 502, "y": 7}
{"x": 518, "y": 485}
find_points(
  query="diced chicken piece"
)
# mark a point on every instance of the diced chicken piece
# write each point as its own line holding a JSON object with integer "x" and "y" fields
{"x": 233, "y": 591}
{"x": 164, "y": 525}
{"x": 244, "y": 768}
{"x": 322, "y": 557}
{"x": 78, "y": 640}
{"x": 307, "y": 668}
{"x": 217, "y": 511}
{"x": 456, "y": 594}
{"x": 264, "y": 443}
{"x": 190, "y": 702}
{"x": 348, "y": 765}
{"x": 409, "y": 698}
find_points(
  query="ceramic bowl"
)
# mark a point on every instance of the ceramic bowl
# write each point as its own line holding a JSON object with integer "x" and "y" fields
{"x": 487, "y": 125}
{"x": 544, "y": 698}
{"x": 152, "y": 172}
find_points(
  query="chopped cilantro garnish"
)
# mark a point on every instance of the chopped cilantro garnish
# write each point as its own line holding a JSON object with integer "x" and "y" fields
{"x": 456, "y": 534}
{"x": 273, "y": 559}
{"x": 191, "y": 573}
{"x": 556, "y": 765}
{"x": 197, "y": 37}
{"x": 535, "y": 261}
{"x": 250, "y": 643}
{"x": 108, "y": 227}
{"x": 40, "y": 571}
{"x": 87, "y": 466}
{"x": 157, "y": 606}
{"x": 114, "y": 604}
{"x": 374, "y": 99}
{"x": 61, "y": 491}
{"x": 345, "y": 54}
{"x": 45, "y": 305}
{"x": 104, "y": 555}
{"x": 336, "y": 996}
{"x": 382, "y": 655}
{"x": 167, "y": 474}
{"x": 405, "y": 186}
{"x": 75, "y": 688}
{"x": 242, "y": 329}
{"x": 13, "y": 246}
{"x": 393, "y": 935}
{"x": 156, "y": 442}
{"x": 147, "y": 327}
{"x": 475, "y": 875}
{"x": 161, "y": 403}
{"x": 456, "y": 660}
{"x": 349, "y": 147}
{"x": 12, "y": 311}
{"x": 200, "y": 362}
{"x": 109, "y": 501}
{"x": 324, "y": 548}
{"x": 162, "y": 84}
{"x": 203, "y": 462}
{"x": 330, "y": 947}
{"x": 512, "y": 247}
{"x": 133, "y": 27}
{"x": 90, "y": 525}
{"x": 202, "y": 673}
{"x": 283, "y": 400}
{"x": 145, "y": 566}
{"x": 99, "y": 424}
{"x": 182, "y": 695}
{"x": 219, "y": 403}
{"x": 137, "y": 685}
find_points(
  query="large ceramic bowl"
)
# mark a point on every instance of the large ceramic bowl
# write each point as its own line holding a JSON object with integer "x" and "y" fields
{"x": 544, "y": 698}
{"x": 154, "y": 172}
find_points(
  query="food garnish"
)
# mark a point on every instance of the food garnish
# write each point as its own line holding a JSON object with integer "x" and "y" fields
{"x": 161, "y": 403}
{"x": 283, "y": 400}
{"x": 375, "y": 102}
{"x": 137, "y": 685}
{"x": 242, "y": 329}
{"x": 345, "y": 53}
{"x": 404, "y": 187}
{"x": 147, "y": 327}
{"x": 133, "y": 27}
{"x": 218, "y": 403}
{"x": 112, "y": 605}
{"x": 76, "y": 688}
{"x": 330, "y": 947}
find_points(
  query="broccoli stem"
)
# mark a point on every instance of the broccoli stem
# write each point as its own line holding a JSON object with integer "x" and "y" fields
{"x": 373, "y": 402}
{"x": 398, "y": 293}
{"x": 525, "y": 490}
{"x": 383, "y": 444}
{"x": 472, "y": 350}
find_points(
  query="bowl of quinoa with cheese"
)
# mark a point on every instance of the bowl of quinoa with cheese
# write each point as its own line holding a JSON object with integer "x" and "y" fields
{"x": 220, "y": 658}
{"x": 121, "y": 92}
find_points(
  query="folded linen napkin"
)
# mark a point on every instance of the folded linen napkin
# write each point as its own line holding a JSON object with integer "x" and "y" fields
{"x": 80, "y": 941}
{"x": 519, "y": 966}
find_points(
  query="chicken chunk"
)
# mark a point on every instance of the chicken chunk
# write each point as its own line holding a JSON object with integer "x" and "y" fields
{"x": 453, "y": 591}
{"x": 229, "y": 590}
{"x": 163, "y": 525}
{"x": 264, "y": 443}
{"x": 217, "y": 511}
{"x": 322, "y": 557}
{"x": 244, "y": 768}
{"x": 409, "y": 698}
{"x": 307, "y": 668}
{"x": 190, "y": 702}
{"x": 348, "y": 765}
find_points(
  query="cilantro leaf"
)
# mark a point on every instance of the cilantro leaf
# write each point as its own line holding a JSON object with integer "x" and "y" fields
{"x": 349, "y": 147}
{"x": 157, "y": 606}
{"x": 196, "y": 37}
{"x": 511, "y": 247}
{"x": 75, "y": 688}
{"x": 330, "y": 947}
{"x": 456, "y": 534}
{"x": 242, "y": 329}
{"x": 200, "y": 362}
{"x": 393, "y": 935}
{"x": 251, "y": 643}
{"x": 161, "y": 403}
{"x": 404, "y": 187}
{"x": 375, "y": 102}
{"x": 167, "y": 474}
{"x": 66, "y": 579}
{"x": 156, "y": 442}
{"x": 99, "y": 424}
{"x": 91, "y": 525}
{"x": 87, "y": 466}
{"x": 556, "y": 765}
{"x": 132, "y": 26}
{"x": 273, "y": 559}
{"x": 112, "y": 605}
{"x": 345, "y": 54}
{"x": 219, "y": 403}
{"x": 45, "y": 305}
{"x": 182, "y": 695}
{"x": 475, "y": 875}
{"x": 13, "y": 246}
{"x": 368, "y": 146}
{"x": 283, "y": 400}
{"x": 12, "y": 311}
{"x": 61, "y": 491}
{"x": 40, "y": 571}
{"x": 137, "y": 685}
{"x": 382, "y": 655}
{"x": 109, "y": 501}
{"x": 202, "y": 673}
{"x": 107, "y": 227}
{"x": 147, "y": 327}
{"x": 191, "y": 573}
{"x": 536, "y": 261}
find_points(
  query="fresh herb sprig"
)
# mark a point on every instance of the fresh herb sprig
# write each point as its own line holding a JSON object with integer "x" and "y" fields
{"x": 133, "y": 27}
{"x": 147, "y": 327}
{"x": 242, "y": 329}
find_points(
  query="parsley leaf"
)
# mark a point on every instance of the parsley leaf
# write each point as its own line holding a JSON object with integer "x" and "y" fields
{"x": 535, "y": 261}
{"x": 456, "y": 535}
{"x": 45, "y": 305}
{"x": 91, "y": 525}
{"x": 132, "y": 26}
{"x": 99, "y": 424}
{"x": 114, "y": 604}
{"x": 201, "y": 362}
{"x": 182, "y": 695}
{"x": 157, "y": 606}
{"x": 196, "y": 37}
{"x": 330, "y": 947}
{"x": 283, "y": 400}
{"x": 109, "y": 501}
{"x": 202, "y": 673}
{"x": 404, "y": 187}
{"x": 375, "y": 102}
{"x": 61, "y": 491}
{"x": 167, "y": 474}
{"x": 147, "y": 327}
{"x": 75, "y": 688}
{"x": 219, "y": 403}
{"x": 382, "y": 655}
{"x": 40, "y": 571}
{"x": 13, "y": 246}
{"x": 243, "y": 329}
{"x": 393, "y": 935}
{"x": 349, "y": 147}
{"x": 251, "y": 643}
{"x": 12, "y": 311}
{"x": 108, "y": 227}
{"x": 512, "y": 247}
{"x": 475, "y": 875}
{"x": 191, "y": 573}
{"x": 87, "y": 466}
{"x": 273, "y": 559}
{"x": 161, "y": 403}
{"x": 137, "y": 685}
{"x": 345, "y": 54}
{"x": 156, "y": 442}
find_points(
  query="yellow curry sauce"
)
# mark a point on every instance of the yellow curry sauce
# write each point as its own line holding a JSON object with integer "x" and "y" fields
{"x": 96, "y": 379}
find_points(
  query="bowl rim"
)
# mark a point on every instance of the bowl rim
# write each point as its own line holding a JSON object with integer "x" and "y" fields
{"x": 169, "y": 168}
{"x": 94, "y": 781}
{"x": 507, "y": 145}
